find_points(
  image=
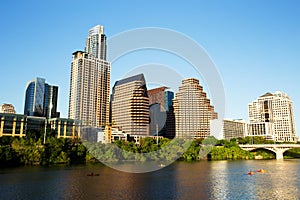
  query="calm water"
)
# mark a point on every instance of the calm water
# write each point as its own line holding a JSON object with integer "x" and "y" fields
{"x": 181, "y": 180}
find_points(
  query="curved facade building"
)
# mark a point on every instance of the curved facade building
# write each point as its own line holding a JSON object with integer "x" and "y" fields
{"x": 41, "y": 99}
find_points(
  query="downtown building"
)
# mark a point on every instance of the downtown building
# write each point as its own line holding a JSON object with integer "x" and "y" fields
{"x": 7, "y": 108}
{"x": 16, "y": 125}
{"x": 41, "y": 99}
{"x": 236, "y": 128}
{"x": 193, "y": 111}
{"x": 162, "y": 118}
{"x": 272, "y": 116}
{"x": 90, "y": 81}
{"x": 130, "y": 106}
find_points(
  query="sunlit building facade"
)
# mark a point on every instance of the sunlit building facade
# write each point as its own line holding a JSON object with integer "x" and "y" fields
{"x": 193, "y": 111}
{"x": 12, "y": 125}
{"x": 277, "y": 111}
{"x": 65, "y": 128}
{"x": 236, "y": 128}
{"x": 261, "y": 129}
{"x": 130, "y": 105}
{"x": 90, "y": 82}
{"x": 16, "y": 125}
{"x": 7, "y": 108}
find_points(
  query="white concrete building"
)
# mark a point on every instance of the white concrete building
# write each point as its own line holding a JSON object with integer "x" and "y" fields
{"x": 276, "y": 111}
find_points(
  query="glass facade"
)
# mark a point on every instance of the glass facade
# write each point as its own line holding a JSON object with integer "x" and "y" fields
{"x": 162, "y": 118}
{"x": 50, "y": 103}
{"x": 39, "y": 98}
{"x": 169, "y": 96}
{"x": 29, "y": 99}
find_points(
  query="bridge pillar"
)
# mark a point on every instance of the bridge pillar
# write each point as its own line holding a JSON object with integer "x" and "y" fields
{"x": 279, "y": 154}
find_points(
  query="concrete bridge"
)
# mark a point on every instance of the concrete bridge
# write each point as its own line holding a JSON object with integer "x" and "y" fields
{"x": 279, "y": 149}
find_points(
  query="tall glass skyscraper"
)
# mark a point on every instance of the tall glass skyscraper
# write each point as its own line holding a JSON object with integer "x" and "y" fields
{"x": 90, "y": 81}
{"x": 41, "y": 99}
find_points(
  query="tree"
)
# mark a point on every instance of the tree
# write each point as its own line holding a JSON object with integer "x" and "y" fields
{"x": 211, "y": 140}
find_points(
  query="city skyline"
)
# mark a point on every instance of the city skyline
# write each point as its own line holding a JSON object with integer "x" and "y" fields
{"x": 255, "y": 52}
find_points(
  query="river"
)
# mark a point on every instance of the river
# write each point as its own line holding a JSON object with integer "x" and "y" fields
{"x": 181, "y": 180}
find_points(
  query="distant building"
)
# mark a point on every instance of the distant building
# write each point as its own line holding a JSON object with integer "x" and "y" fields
{"x": 90, "y": 81}
{"x": 234, "y": 129}
{"x": 130, "y": 105}
{"x": 193, "y": 111}
{"x": 65, "y": 128}
{"x": 277, "y": 110}
{"x": 41, "y": 99}
{"x": 7, "y": 108}
{"x": 90, "y": 134}
{"x": 137, "y": 138}
{"x": 111, "y": 134}
{"x": 161, "y": 112}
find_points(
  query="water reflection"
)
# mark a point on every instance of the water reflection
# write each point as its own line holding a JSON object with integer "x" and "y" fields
{"x": 229, "y": 180}
{"x": 181, "y": 180}
{"x": 191, "y": 180}
{"x": 283, "y": 179}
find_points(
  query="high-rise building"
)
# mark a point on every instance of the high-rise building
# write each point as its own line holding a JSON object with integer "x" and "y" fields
{"x": 96, "y": 42}
{"x": 130, "y": 105}
{"x": 236, "y": 128}
{"x": 193, "y": 111}
{"x": 7, "y": 108}
{"x": 276, "y": 109}
{"x": 161, "y": 112}
{"x": 90, "y": 82}
{"x": 41, "y": 99}
{"x": 50, "y": 101}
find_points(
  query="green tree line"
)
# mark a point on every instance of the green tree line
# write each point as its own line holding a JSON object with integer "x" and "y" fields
{"x": 32, "y": 151}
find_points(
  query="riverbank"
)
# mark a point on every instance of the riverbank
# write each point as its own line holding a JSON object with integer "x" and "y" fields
{"x": 21, "y": 151}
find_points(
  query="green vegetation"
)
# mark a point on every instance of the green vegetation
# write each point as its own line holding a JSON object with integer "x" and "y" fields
{"x": 147, "y": 150}
{"x": 32, "y": 151}
{"x": 292, "y": 153}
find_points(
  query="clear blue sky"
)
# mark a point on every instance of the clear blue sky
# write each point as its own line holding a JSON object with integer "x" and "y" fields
{"x": 254, "y": 44}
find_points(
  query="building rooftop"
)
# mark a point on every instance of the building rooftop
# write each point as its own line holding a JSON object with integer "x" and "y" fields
{"x": 139, "y": 77}
{"x": 156, "y": 90}
{"x": 268, "y": 94}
